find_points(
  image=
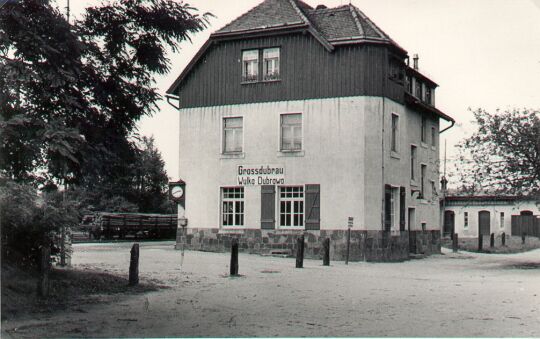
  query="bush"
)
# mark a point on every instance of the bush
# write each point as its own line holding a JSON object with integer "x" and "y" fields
{"x": 30, "y": 220}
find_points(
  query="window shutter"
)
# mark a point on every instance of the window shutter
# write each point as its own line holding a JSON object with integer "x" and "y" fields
{"x": 402, "y": 208}
{"x": 268, "y": 207}
{"x": 313, "y": 207}
{"x": 387, "y": 207}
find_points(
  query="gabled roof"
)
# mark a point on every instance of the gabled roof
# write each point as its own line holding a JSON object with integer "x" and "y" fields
{"x": 343, "y": 24}
{"x": 269, "y": 14}
{"x": 329, "y": 26}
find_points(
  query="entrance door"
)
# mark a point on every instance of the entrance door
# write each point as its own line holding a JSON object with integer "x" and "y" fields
{"x": 484, "y": 223}
{"x": 449, "y": 219}
{"x": 411, "y": 221}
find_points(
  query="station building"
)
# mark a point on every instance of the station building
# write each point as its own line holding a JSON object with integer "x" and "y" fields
{"x": 306, "y": 121}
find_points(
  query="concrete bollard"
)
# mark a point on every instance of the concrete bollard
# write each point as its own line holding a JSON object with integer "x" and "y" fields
{"x": 234, "y": 257}
{"x": 134, "y": 265}
{"x": 300, "y": 252}
{"x": 492, "y": 240}
{"x": 455, "y": 243}
{"x": 503, "y": 238}
{"x": 326, "y": 253}
{"x": 480, "y": 241}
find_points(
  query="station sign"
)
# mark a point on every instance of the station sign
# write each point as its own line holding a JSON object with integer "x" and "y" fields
{"x": 256, "y": 175}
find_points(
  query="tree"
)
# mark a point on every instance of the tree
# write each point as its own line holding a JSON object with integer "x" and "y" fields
{"x": 503, "y": 155}
{"x": 151, "y": 183}
{"x": 70, "y": 95}
{"x": 70, "y": 98}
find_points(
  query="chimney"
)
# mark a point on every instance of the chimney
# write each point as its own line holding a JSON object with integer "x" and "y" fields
{"x": 415, "y": 61}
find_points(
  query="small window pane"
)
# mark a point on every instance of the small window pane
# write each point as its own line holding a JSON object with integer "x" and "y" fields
{"x": 232, "y": 136}
{"x": 291, "y": 132}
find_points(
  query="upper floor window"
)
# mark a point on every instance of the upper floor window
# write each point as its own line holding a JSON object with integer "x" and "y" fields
{"x": 413, "y": 162}
{"x": 395, "y": 132}
{"x": 465, "y": 219}
{"x": 417, "y": 89}
{"x": 250, "y": 65}
{"x": 428, "y": 95}
{"x": 409, "y": 81}
{"x": 233, "y": 135}
{"x": 423, "y": 170}
{"x": 291, "y": 132}
{"x": 502, "y": 220}
{"x": 423, "y": 131}
{"x": 433, "y": 137}
{"x": 271, "y": 64}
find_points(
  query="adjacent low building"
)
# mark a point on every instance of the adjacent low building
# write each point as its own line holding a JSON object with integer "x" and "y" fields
{"x": 306, "y": 121}
{"x": 470, "y": 216}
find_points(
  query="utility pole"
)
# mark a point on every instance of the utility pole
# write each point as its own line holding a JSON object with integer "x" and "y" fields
{"x": 67, "y": 11}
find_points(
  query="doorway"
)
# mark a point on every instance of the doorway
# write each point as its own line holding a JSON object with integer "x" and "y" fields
{"x": 449, "y": 224}
{"x": 484, "y": 223}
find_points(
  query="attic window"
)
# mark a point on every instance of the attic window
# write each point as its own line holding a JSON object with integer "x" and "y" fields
{"x": 250, "y": 65}
{"x": 271, "y": 64}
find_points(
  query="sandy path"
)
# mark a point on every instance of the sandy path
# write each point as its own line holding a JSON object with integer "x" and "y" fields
{"x": 446, "y": 295}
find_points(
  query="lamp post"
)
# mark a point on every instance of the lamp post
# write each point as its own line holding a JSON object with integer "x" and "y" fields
{"x": 177, "y": 193}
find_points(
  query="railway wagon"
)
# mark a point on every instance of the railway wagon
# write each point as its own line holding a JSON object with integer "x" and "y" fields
{"x": 104, "y": 225}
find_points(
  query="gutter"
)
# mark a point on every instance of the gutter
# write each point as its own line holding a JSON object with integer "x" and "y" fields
{"x": 173, "y": 97}
{"x": 452, "y": 123}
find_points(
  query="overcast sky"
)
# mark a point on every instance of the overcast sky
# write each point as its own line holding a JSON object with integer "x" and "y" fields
{"x": 482, "y": 53}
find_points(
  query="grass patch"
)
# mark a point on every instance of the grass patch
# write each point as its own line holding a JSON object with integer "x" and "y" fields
{"x": 70, "y": 289}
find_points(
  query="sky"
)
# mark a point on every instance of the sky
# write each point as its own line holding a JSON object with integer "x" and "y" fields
{"x": 481, "y": 53}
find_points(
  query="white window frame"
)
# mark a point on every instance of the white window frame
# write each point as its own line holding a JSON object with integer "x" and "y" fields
{"x": 233, "y": 200}
{"x": 501, "y": 219}
{"x": 394, "y": 133}
{"x": 291, "y": 200}
{"x": 281, "y": 149}
{"x": 465, "y": 219}
{"x": 253, "y": 77}
{"x": 275, "y": 64}
{"x": 224, "y": 135}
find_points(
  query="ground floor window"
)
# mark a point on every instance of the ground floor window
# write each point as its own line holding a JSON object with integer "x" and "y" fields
{"x": 232, "y": 202}
{"x": 291, "y": 206}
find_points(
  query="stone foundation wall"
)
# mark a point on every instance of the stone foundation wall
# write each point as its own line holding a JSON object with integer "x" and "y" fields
{"x": 365, "y": 245}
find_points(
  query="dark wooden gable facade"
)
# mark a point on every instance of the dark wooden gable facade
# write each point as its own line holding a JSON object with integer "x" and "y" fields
{"x": 307, "y": 71}
{"x": 324, "y": 53}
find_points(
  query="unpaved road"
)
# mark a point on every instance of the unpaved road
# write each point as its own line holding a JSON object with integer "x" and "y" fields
{"x": 446, "y": 295}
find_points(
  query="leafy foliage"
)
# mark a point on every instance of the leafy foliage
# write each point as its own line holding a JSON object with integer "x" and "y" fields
{"x": 29, "y": 220}
{"x": 70, "y": 98}
{"x": 503, "y": 155}
{"x": 70, "y": 95}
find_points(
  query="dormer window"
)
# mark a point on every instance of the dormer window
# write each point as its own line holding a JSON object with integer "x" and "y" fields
{"x": 418, "y": 89}
{"x": 250, "y": 65}
{"x": 428, "y": 95}
{"x": 270, "y": 64}
{"x": 409, "y": 79}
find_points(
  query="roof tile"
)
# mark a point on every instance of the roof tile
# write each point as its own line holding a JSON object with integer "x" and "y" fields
{"x": 270, "y": 13}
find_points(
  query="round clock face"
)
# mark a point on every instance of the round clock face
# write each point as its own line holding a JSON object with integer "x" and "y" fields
{"x": 177, "y": 192}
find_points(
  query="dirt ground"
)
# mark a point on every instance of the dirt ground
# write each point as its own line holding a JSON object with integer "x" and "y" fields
{"x": 464, "y": 294}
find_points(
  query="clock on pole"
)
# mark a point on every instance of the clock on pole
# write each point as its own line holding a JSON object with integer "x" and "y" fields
{"x": 177, "y": 191}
